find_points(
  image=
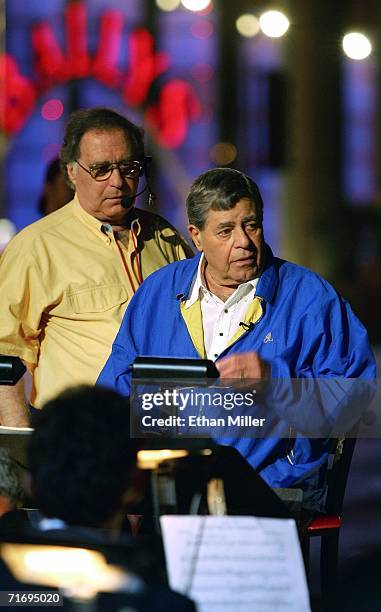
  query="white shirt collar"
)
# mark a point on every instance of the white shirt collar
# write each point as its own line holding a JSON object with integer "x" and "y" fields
{"x": 199, "y": 287}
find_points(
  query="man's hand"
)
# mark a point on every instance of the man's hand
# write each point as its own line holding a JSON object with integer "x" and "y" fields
{"x": 243, "y": 366}
{"x": 13, "y": 408}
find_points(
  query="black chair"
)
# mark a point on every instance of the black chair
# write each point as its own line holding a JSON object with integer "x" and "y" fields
{"x": 327, "y": 525}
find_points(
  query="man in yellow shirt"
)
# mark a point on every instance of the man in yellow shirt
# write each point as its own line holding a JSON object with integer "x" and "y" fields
{"x": 65, "y": 281}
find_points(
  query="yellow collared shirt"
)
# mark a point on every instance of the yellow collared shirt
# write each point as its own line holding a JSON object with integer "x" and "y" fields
{"x": 64, "y": 290}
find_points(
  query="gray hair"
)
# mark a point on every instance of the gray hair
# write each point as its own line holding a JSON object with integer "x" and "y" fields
{"x": 220, "y": 189}
{"x": 10, "y": 479}
{"x": 97, "y": 118}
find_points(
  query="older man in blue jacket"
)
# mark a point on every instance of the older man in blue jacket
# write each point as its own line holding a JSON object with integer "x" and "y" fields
{"x": 253, "y": 314}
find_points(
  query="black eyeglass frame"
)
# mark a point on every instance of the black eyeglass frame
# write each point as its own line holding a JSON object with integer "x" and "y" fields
{"x": 143, "y": 168}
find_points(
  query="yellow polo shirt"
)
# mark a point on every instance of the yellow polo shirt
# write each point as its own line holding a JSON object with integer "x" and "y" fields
{"x": 64, "y": 289}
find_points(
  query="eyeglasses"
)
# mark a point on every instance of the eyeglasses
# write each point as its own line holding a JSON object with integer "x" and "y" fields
{"x": 128, "y": 169}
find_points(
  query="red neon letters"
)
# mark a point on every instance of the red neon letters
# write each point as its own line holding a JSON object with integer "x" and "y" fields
{"x": 169, "y": 118}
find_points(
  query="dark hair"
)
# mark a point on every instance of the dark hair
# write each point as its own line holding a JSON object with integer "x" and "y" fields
{"x": 10, "y": 478}
{"x": 52, "y": 172}
{"x": 81, "y": 456}
{"x": 220, "y": 189}
{"x": 98, "y": 118}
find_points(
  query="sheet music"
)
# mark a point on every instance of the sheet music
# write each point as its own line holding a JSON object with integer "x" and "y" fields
{"x": 236, "y": 563}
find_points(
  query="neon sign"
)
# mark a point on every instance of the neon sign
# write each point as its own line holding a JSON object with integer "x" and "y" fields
{"x": 168, "y": 118}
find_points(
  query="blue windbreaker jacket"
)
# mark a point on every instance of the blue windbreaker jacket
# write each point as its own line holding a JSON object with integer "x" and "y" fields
{"x": 313, "y": 332}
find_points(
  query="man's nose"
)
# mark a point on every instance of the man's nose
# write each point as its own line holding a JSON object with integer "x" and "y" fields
{"x": 116, "y": 178}
{"x": 241, "y": 239}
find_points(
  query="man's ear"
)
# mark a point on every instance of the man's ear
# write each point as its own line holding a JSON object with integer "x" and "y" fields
{"x": 195, "y": 234}
{"x": 72, "y": 168}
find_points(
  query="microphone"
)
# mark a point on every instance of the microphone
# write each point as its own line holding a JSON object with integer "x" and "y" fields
{"x": 128, "y": 200}
{"x": 246, "y": 326}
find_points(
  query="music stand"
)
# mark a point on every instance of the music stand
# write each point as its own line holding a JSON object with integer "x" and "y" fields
{"x": 245, "y": 491}
{"x": 11, "y": 369}
{"x": 176, "y": 482}
{"x": 169, "y": 368}
{"x": 13, "y": 439}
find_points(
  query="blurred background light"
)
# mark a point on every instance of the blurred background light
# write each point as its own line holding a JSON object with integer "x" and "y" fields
{"x": 52, "y": 109}
{"x": 51, "y": 150}
{"x": 356, "y": 46}
{"x": 202, "y": 72}
{"x": 195, "y": 5}
{"x": 150, "y": 459}
{"x": 168, "y": 5}
{"x": 202, "y": 29}
{"x": 274, "y": 23}
{"x": 223, "y": 153}
{"x": 247, "y": 25}
{"x": 80, "y": 571}
{"x": 207, "y": 115}
{"x": 7, "y": 231}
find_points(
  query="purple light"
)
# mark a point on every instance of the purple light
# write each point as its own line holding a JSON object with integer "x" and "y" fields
{"x": 202, "y": 29}
{"x": 207, "y": 115}
{"x": 52, "y": 109}
{"x": 202, "y": 72}
{"x": 51, "y": 151}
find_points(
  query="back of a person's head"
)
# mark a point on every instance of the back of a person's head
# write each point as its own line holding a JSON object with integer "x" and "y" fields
{"x": 11, "y": 489}
{"x": 80, "y": 456}
{"x": 56, "y": 192}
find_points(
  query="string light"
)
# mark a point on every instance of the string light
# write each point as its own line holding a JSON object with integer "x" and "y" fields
{"x": 52, "y": 109}
{"x": 168, "y": 5}
{"x": 247, "y": 25}
{"x": 202, "y": 29}
{"x": 356, "y": 46}
{"x": 223, "y": 153}
{"x": 195, "y": 5}
{"x": 274, "y": 24}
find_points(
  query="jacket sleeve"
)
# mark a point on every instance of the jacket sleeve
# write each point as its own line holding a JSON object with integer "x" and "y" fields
{"x": 342, "y": 348}
{"x": 335, "y": 345}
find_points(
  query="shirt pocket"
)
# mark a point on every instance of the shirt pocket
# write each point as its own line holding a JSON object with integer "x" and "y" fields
{"x": 96, "y": 299}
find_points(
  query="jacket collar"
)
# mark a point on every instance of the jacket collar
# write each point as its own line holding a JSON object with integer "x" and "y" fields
{"x": 266, "y": 288}
{"x": 269, "y": 280}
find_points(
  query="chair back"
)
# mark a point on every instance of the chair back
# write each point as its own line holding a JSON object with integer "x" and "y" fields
{"x": 342, "y": 453}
